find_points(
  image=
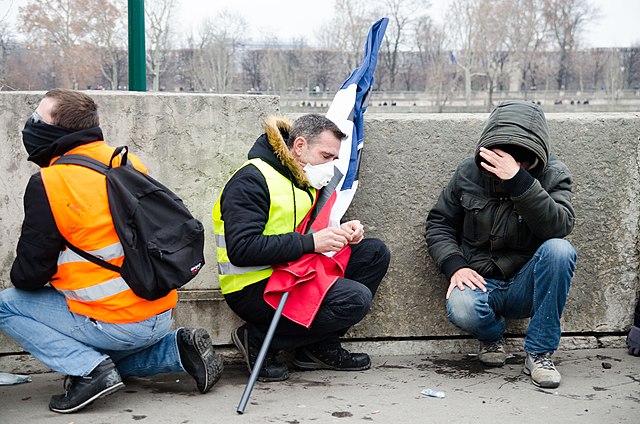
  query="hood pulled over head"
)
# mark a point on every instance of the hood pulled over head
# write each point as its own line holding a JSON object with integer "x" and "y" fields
{"x": 520, "y": 128}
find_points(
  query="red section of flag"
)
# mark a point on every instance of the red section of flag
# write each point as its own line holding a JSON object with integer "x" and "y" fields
{"x": 308, "y": 279}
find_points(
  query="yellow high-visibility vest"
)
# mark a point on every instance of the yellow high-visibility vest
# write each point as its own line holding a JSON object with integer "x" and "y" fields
{"x": 281, "y": 216}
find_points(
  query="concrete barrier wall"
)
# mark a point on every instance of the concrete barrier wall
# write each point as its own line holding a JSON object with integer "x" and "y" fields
{"x": 194, "y": 142}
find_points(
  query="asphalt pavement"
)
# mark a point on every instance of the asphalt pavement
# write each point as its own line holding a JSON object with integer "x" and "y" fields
{"x": 598, "y": 386}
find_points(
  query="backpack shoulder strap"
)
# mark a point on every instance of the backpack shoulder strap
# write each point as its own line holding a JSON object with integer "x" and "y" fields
{"x": 83, "y": 160}
{"x": 91, "y": 258}
{"x": 96, "y": 165}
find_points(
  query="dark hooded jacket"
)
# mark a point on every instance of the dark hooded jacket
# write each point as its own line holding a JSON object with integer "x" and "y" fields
{"x": 40, "y": 241}
{"x": 245, "y": 202}
{"x": 494, "y": 227}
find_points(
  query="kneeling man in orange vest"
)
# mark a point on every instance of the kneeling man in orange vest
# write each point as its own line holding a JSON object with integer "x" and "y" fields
{"x": 75, "y": 316}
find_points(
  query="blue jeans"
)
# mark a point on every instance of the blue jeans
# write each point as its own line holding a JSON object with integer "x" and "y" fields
{"x": 72, "y": 344}
{"x": 539, "y": 291}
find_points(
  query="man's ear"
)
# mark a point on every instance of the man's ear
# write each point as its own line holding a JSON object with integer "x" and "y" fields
{"x": 298, "y": 145}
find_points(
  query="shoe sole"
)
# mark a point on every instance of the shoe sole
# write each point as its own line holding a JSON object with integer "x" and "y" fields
{"x": 211, "y": 360}
{"x": 235, "y": 337}
{"x": 317, "y": 364}
{"x": 551, "y": 385}
{"x": 105, "y": 392}
{"x": 492, "y": 364}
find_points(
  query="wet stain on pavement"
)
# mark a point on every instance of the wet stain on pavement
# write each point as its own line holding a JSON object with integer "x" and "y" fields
{"x": 172, "y": 390}
{"x": 458, "y": 368}
{"x": 341, "y": 414}
{"x": 634, "y": 378}
{"x": 634, "y": 399}
{"x": 567, "y": 396}
{"x": 609, "y": 358}
{"x": 395, "y": 367}
{"x": 313, "y": 383}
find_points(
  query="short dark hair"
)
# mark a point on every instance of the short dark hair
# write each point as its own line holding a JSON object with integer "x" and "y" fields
{"x": 311, "y": 126}
{"x": 73, "y": 110}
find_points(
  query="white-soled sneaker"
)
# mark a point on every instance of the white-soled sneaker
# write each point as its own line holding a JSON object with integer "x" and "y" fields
{"x": 542, "y": 371}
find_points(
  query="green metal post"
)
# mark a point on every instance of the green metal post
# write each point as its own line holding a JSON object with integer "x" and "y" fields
{"x": 137, "y": 62}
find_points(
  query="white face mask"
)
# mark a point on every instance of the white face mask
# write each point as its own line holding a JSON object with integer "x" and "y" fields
{"x": 319, "y": 175}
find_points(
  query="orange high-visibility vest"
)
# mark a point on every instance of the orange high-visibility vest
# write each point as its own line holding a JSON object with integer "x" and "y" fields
{"x": 78, "y": 200}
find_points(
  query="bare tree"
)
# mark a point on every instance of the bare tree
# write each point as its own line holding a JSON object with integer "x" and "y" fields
{"x": 159, "y": 32}
{"x": 434, "y": 49}
{"x": 490, "y": 42}
{"x": 462, "y": 25}
{"x": 215, "y": 58}
{"x": 347, "y": 31}
{"x": 567, "y": 19}
{"x": 108, "y": 18}
{"x": 6, "y": 40}
{"x": 403, "y": 16}
{"x": 273, "y": 69}
{"x": 252, "y": 63}
{"x": 323, "y": 65}
{"x": 526, "y": 38}
{"x": 631, "y": 67}
{"x": 60, "y": 23}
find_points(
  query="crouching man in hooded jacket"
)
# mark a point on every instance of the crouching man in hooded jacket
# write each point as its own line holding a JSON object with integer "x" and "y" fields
{"x": 255, "y": 221}
{"x": 76, "y": 317}
{"x": 496, "y": 233}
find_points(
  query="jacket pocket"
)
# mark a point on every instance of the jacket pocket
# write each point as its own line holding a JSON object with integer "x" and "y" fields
{"x": 476, "y": 224}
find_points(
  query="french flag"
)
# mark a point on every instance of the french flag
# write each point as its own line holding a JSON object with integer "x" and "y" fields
{"x": 347, "y": 112}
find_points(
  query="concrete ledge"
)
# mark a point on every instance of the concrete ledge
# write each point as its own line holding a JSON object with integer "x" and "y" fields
{"x": 194, "y": 142}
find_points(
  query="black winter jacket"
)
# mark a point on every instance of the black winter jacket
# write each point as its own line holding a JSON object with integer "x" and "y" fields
{"x": 492, "y": 226}
{"x": 40, "y": 242}
{"x": 245, "y": 202}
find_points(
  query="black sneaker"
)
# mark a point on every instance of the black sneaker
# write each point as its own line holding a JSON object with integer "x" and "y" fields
{"x": 81, "y": 391}
{"x": 271, "y": 370}
{"x": 198, "y": 357}
{"x": 331, "y": 357}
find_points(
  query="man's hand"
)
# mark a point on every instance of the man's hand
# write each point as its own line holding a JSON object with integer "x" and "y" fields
{"x": 330, "y": 240}
{"x": 466, "y": 277}
{"x": 355, "y": 231}
{"x": 499, "y": 163}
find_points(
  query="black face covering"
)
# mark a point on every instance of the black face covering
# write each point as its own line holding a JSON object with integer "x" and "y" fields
{"x": 38, "y": 137}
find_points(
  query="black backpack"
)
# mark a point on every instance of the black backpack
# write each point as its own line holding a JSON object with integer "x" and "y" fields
{"x": 163, "y": 243}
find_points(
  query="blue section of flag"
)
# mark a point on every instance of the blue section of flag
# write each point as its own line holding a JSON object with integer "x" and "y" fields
{"x": 363, "y": 77}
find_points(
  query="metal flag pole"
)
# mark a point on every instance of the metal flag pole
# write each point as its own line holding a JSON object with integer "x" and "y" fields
{"x": 261, "y": 355}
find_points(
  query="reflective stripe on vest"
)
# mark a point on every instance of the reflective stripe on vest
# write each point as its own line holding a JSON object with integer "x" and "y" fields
{"x": 97, "y": 292}
{"x": 281, "y": 220}
{"x": 227, "y": 268}
{"x": 106, "y": 254}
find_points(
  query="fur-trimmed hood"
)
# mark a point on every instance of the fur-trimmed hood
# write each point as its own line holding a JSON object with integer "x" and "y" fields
{"x": 272, "y": 148}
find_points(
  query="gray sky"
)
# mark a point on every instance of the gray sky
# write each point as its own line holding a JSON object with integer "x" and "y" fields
{"x": 618, "y": 27}
{"x": 287, "y": 19}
